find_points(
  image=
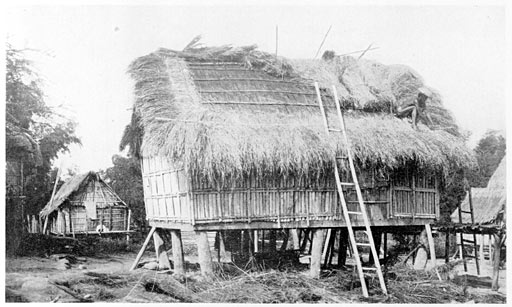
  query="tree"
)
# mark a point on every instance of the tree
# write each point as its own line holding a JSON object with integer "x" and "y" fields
{"x": 489, "y": 151}
{"x": 125, "y": 177}
{"x": 28, "y": 116}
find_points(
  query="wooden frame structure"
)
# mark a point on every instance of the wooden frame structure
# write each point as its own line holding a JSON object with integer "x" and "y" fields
{"x": 85, "y": 204}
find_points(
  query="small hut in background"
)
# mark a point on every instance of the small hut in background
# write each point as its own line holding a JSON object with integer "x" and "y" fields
{"x": 489, "y": 211}
{"x": 85, "y": 204}
{"x": 233, "y": 139}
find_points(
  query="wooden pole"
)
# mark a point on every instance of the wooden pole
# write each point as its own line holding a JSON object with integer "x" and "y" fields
{"x": 203, "y": 251}
{"x": 316, "y": 252}
{"x": 342, "y": 251}
{"x": 447, "y": 247}
{"x": 285, "y": 241}
{"x": 222, "y": 246}
{"x": 326, "y": 245}
{"x": 256, "y": 242}
{"x": 295, "y": 238}
{"x": 161, "y": 253}
{"x": 143, "y": 248}
{"x": 496, "y": 261}
{"x": 431, "y": 245}
{"x": 272, "y": 241}
{"x": 481, "y": 248}
{"x": 128, "y": 227}
{"x": 177, "y": 252}
{"x": 385, "y": 239}
{"x": 305, "y": 238}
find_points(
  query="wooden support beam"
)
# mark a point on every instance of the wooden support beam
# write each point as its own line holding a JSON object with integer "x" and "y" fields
{"x": 177, "y": 252}
{"x": 143, "y": 249}
{"x": 256, "y": 242}
{"x": 203, "y": 251}
{"x": 326, "y": 245}
{"x": 447, "y": 247}
{"x": 481, "y": 248}
{"x": 222, "y": 246}
{"x": 385, "y": 240}
{"x": 285, "y": 241}
{"x": 272, "y": 241}
{"x": 377, "y": 240}
{"x": 161, "y": 253}
{"x": 316, "y": 252}
{"x": 295, "y": 239}
{"x": 305, "y": 238}
{"x": 496, "y": 261}
{"x": 343, "y": 245}
{"x": 431, "y": 245}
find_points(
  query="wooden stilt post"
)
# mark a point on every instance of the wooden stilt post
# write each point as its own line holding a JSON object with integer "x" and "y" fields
{"x": 326, "y": 245}
{"x": 496, "y": 261}
{"x": 385, "y": 239}
{"x": 377, "y": 240}
{"x": 161, "y": 253}
{"x": 447, "y": 247}
{"x": 256, "y": 242}
{"x": 431, "y": 245}
{"x": 285, "y": 241}
{"x": 481, "y": 249}
{"x": 330, "y": 252}
{"x": 295, "y": 239}
{"x": 222, "y": 246}
{"x": 203, "y": 251}
{"x": 342, "y": 250}
{"x": 272, "y": 241}
{"x": 316, "y": 252}
{"x": 177, "y": 252}
{"x": 143, "y": 248}
{"x": 305, "y": 237}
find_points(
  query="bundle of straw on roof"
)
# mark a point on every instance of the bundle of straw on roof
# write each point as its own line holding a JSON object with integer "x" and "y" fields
{"x": 228, "y": 111}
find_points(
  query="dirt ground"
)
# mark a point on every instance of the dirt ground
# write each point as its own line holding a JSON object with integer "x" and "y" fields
{"x": 108, "y": 279}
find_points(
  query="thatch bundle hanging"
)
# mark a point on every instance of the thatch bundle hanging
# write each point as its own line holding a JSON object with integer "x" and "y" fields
{"x": 225, "y": 110}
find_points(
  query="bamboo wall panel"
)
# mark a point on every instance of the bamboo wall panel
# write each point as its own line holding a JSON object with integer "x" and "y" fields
{"x": 73, "y": 219}
{"x": 165, "y": 191}
{"x": 170, "y": 195}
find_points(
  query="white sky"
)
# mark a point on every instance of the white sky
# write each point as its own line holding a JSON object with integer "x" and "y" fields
{"x": 459, "y": 50}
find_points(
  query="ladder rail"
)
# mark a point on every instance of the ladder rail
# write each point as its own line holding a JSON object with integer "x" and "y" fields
{"x": 362, "y": 205}
{"x": 475, "y": 245}
{"x": 350, "y": 231}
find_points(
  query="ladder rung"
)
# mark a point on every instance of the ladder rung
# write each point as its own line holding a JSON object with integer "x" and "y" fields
{"x": 342, "y": 157}
{"x": 463, "y": 211}
{"x": 469, "y": 241}
{"x": 363, "y": 244}
{"x": 348, "y": 183}
{"x": 334, "y": 130}
{"x": 369, "y": 269}
{"x": 469, "y": 256}
{"x": 355, "y": 212}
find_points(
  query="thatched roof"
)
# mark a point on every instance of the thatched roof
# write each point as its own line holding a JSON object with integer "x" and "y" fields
{"x": 73, "y": 185}
{"x": 489, "y": 203}
{"x": 224, "y": 110}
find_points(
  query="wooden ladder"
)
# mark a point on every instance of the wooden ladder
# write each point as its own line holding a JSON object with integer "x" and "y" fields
{"x": 462, "y": 249}
{"x": 362, "y": 212}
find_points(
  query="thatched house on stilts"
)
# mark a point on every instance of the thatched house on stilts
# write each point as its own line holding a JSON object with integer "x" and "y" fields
{"x": 85, "y": 204}
{"x": 489, "y": 210}
{"x": 232, "y": 139}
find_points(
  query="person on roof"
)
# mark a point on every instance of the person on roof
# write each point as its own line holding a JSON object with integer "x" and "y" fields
{"x": 417, "y": 108}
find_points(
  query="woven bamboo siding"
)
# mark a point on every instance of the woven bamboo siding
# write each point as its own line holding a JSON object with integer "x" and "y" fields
{"x": 73, "y": 219}
{"x": 169, "y": 197}
{"x": 165, "y": 191}
{"x": 415, "y": 195}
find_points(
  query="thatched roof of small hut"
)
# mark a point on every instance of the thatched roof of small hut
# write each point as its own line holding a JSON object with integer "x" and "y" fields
{"x": 229, "y": 110}
{"x": 489, "y": 203}
{"x": 71, "y": 187}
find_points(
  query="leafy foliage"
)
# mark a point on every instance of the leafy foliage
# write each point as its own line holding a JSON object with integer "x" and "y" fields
{"x": 125, "y": 177}
{"x": 28, "y": 116}
{"x": 489, "y": 152}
